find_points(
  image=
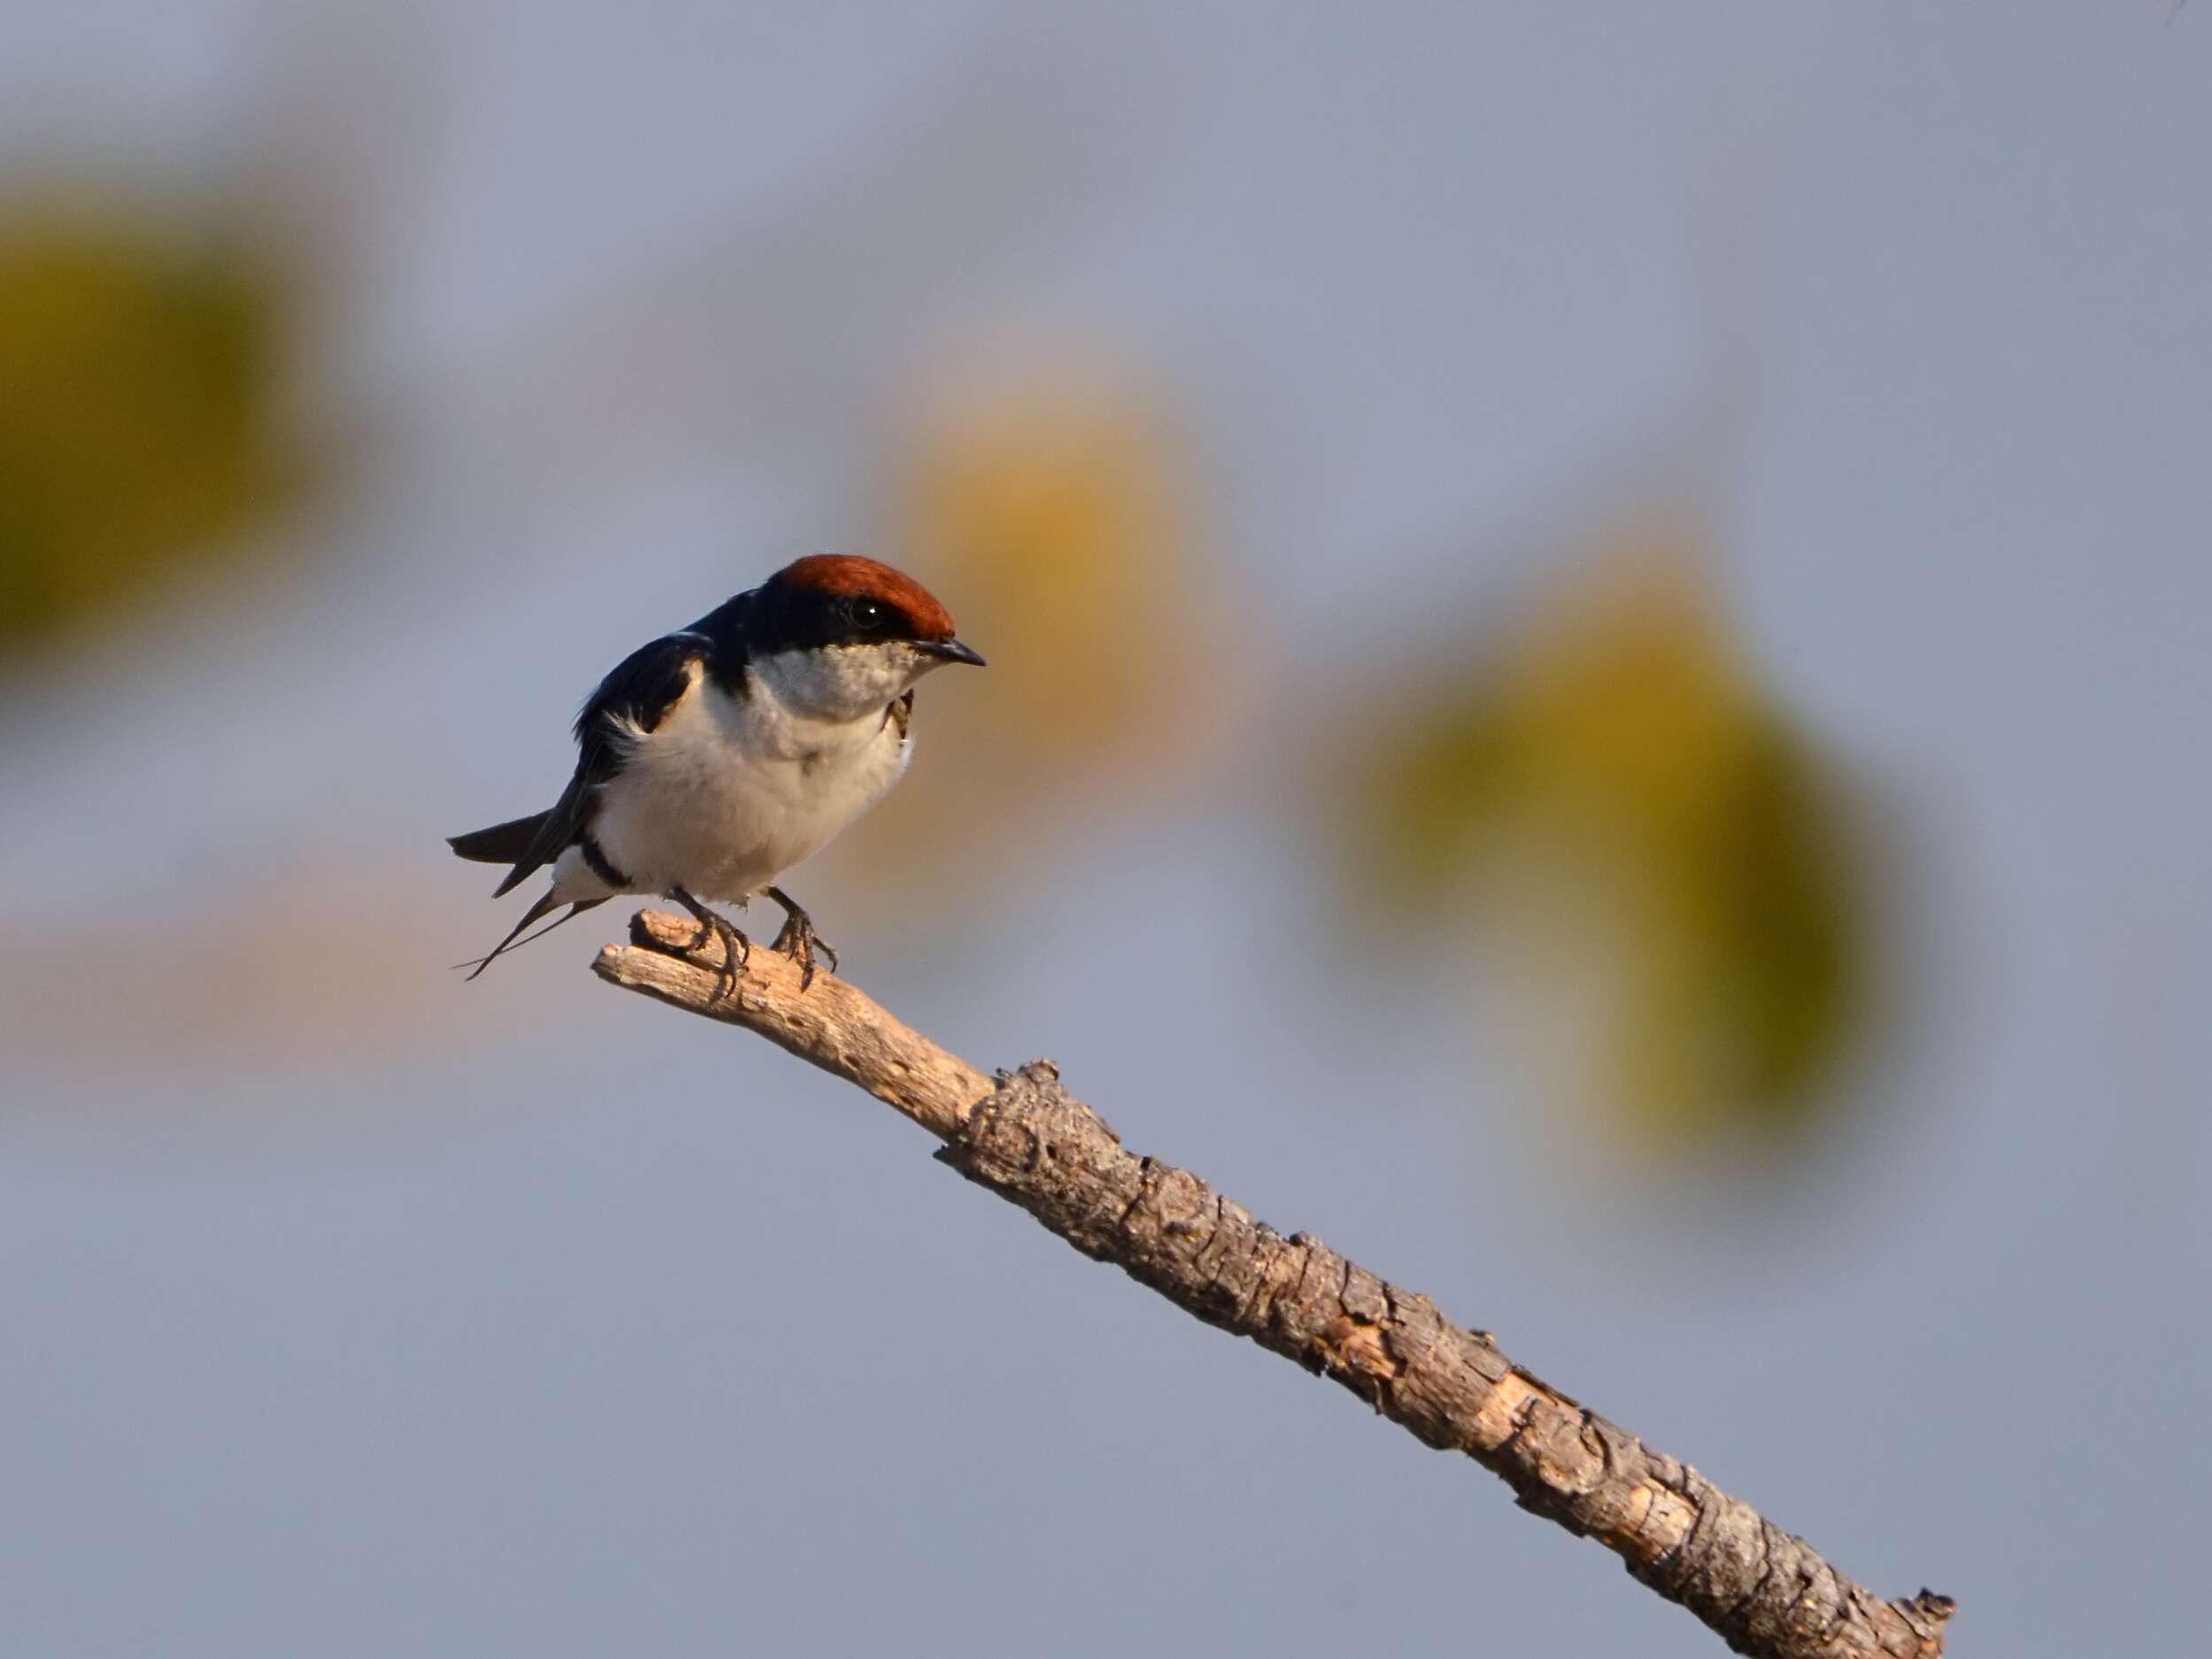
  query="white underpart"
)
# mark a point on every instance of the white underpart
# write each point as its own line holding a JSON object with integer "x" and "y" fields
{"x": 726, "y": 792}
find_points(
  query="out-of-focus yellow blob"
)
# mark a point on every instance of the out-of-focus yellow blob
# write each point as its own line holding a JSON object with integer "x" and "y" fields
{"x": 1621, "y": 799}
{"x": 1051, "y": 512}
{"x": 137, "y": 375}
{"x": 1055, "y": 509}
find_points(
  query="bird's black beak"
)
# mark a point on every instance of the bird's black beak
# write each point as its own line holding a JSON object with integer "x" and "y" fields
{"x": 950, "y": 651}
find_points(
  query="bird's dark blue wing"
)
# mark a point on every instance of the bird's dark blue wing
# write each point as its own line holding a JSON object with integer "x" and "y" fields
{"x": 640, "y": 691}
{"x": 642, "y": 687}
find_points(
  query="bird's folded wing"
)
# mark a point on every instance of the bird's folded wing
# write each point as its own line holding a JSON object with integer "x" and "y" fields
{"x": 635, "y": 697}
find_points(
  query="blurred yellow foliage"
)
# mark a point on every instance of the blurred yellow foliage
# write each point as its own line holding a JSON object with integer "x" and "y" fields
{"x": 137, "y": 375}
{"x": 1053, "y": 514}
{"x": 1618, "y": 775}
{"x": 1055, "y": 510}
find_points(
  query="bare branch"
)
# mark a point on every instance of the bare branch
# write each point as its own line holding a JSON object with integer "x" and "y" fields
{"x": 1028, "y": 1139}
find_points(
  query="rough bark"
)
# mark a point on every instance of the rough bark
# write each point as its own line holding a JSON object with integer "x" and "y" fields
{"x": 1763, "y": 1590}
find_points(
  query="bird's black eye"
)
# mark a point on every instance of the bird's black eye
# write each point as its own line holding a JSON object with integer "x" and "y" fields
{"x": 870, "y": 616}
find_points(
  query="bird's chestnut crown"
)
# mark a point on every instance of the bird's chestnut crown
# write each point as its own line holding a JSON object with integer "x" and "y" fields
{"x": 843, "y": 600}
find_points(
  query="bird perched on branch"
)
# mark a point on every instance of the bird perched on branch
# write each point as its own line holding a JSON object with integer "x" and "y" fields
{"x": 714, "y": 759}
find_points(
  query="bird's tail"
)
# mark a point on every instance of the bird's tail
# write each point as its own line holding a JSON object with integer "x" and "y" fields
{"x": 503, "y": 844}
{"x": 536, "y": 910}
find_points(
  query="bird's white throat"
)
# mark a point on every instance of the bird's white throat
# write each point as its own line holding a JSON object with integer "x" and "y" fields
{"x": 839, "y": 684}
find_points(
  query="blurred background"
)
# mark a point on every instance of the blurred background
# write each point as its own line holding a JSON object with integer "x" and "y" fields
{"x": 1599, "y": 636}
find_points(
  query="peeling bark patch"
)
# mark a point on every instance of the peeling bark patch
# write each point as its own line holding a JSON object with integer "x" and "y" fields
{"x": 1348, "y": 1344}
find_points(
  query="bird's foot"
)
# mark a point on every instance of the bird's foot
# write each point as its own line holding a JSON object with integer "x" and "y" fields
{"x": 736, "y": 949}
{"x": 798, "y": 940}
{"x": 737, "y": 952}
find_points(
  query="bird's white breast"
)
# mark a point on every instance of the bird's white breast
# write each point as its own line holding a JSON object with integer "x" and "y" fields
{"x": 727, "y": 792}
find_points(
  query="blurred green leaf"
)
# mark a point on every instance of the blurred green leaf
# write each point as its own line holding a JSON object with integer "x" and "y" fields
{"x": 137, "y": 378}
{"x": 1611, "y": 786}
